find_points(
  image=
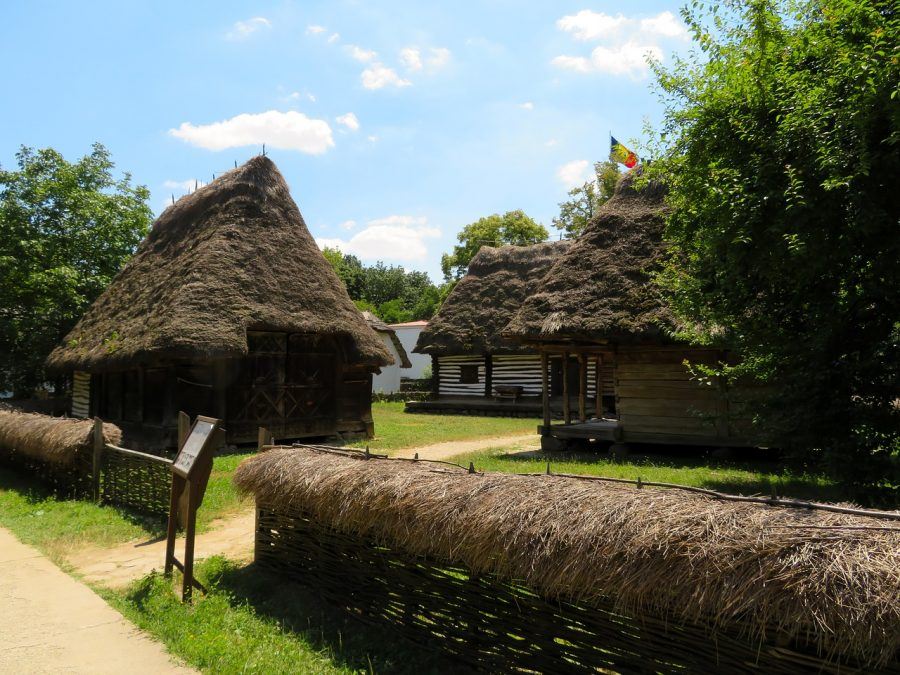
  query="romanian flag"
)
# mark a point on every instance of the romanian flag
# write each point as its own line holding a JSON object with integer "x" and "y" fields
{"x": 619, "y": 153}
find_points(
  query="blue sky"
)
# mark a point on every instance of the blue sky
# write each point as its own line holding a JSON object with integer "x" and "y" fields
{"x": 395, "y": 123}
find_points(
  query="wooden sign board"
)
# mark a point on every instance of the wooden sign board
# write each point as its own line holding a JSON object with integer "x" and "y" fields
{"x": 201, "y": 434}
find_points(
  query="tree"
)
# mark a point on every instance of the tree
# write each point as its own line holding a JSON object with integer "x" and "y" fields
{"x": 65, "y": 230}
{"x": 584, "y": 201}
{"x": 513, "y": 227}
{"x": 782, "y": 168}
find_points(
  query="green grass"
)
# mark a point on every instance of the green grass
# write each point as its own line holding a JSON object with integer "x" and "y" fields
{"x": 56, "y": 526}
{"x": 251, "y": 622}
{"x": 740, "y": 476}
{"x": 395, "y": 429}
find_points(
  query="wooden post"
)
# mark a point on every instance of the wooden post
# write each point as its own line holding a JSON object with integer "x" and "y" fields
{"x": 545, "y": 388}
{"x": 598, "y": 387}
{"x": 488, "y": 375}
{"x": 187, "y": 582}
{"x": 97, "y": 461}
{"x": 184, "y": 427}
{"x": 179, "y": 485}
{"x": 582, "y": 387}
{"x": 567, "y": 412}
{"x": 435, "y": 376}
{"x": 264, "y": 437}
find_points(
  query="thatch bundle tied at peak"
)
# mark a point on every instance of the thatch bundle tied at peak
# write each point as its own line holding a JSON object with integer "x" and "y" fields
{"x": 498, "y": 281}
{"x": 54, "y": 440}
{"x": 775, "y": 574}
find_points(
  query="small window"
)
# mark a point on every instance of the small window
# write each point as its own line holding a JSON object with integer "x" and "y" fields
{"x": 468, "y": 374}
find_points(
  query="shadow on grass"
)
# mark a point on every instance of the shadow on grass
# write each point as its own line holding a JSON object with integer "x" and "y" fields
{"x": 348, "y": 641}
{"x": 34, "y": 492}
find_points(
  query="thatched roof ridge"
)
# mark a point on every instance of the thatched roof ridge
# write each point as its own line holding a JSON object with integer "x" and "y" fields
{"x": 233, "y": 255}
{"x": 54, "y": 440}
{"x": 498, "y": 281}
{"x": 600, "y": 287}
{"x": 380, "y": 326}
{"x": 768, "y": 573}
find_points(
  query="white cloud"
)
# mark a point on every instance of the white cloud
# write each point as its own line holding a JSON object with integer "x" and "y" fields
{"x": 528, "y": 105}
{"x": 314, "y": 29}
{"x": 297, "y": 95}
{"x": 241, "y": 30}
{"x": 348, "y": 225}
{"x": 575, "y": 173}
{"x": 401, "y": 238}
{"x": 348, "y": 120}
{"x": 378, "y": 76}
{"x": 628, "y": 42}
{"x": 665, "y": 24}
{"x": 372, "y": 139}
{"x": 284, "y": 130}
{"x": 360, "y": 54}
{"x": 411, "y": 58}
{"x": 438, "y": 57}
{"x": 334, "y": 37}
{"x": 550, "y": 143}
{"x": 588, "y": 25}
{"x": 183, "y": 185}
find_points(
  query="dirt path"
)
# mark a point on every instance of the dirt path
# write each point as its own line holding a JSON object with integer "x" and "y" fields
{"x": 450, "y": 449}
{"x": 50, "y": 623}
{"x": 233, "y": 536}
{"x": 116, "y": 567}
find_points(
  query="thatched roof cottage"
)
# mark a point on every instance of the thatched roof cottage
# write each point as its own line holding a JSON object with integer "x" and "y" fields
{"x": 474, "y": 367}
{"x": 228, "y": 309}
{"x": 388, "y": 380}
{"x": 598, "y": 303}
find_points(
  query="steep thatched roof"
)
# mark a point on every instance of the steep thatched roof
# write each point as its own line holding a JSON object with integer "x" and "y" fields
{"x": 55, "y": 440}
{"x": 380, "y": 326}
{"x": 499, "y": 280}
{"x": 600, "y": 287}
{"x": 233, "y": 255}
{"x": 779, "y": 575}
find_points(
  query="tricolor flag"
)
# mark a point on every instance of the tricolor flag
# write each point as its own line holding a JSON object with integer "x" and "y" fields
{"x": 619, "y": 153}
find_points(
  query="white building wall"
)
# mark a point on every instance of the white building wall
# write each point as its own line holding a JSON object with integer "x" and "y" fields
{"x": 449, "y": 372}
{"x": 388, "y": 380}
{"x": 522, "y": 370}
{"x": 420, "y": 362}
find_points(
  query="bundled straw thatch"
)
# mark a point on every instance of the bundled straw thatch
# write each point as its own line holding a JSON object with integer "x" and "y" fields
{"x": 380, "y": 326}
{"x": 232, "y": 256}
{"x": 779, "y": 575}
{"x": 498, "y": 281}
{"x": 53, "y": 440}
{"x": 600, "y": 288}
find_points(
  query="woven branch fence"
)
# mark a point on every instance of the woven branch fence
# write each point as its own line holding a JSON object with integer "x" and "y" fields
{"x": 442, "y": 559}
{"x": 89, "y": 466}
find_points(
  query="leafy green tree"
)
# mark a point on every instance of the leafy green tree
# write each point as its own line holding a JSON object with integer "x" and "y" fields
{"x": 513, "y": 227}
{"x": 783, "y": 170}
{"x": 65, "y": 230}
{"x": 583, "y": 202}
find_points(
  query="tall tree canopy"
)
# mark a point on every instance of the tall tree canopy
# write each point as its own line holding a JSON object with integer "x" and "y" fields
{"x": 783, "y": 170}
{"x": 513, "y": 227}
{"x": 65, "y": 230}
{"x": 576, "y": 212}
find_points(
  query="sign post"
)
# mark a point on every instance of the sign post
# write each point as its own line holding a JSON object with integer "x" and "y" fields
{"x": 190, "y": 475}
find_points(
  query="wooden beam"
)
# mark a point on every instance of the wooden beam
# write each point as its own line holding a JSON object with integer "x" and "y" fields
{"x": 488, "y": 375}
{"x": 97, "y": 460}
{"x": 567, "y": 412}
{"x": 582, "y": 388}
{"x": 435, "y": 376}
{"x": 545, "y": 387}
{"x": 598, "y": 387}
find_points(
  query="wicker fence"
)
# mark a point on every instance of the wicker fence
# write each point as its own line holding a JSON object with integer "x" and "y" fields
{"x": 495, "y": 625}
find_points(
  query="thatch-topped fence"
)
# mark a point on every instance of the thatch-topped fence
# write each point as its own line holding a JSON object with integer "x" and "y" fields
{"x": 83, "y": 458}
{"x": 557, "y": 574}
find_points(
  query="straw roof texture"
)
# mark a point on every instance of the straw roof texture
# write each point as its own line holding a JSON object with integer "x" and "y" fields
{"x": 233, "y": 255}
{"x": 600, "y": 287}
{"x": 55, "y": 440}
{"x": 762, "y": 571}
{"x": 380, "y": 326}
{"x": 498, "y": 281}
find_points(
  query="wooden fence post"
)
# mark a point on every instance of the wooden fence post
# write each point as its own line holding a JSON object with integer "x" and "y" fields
{"x": 97, "y": 460}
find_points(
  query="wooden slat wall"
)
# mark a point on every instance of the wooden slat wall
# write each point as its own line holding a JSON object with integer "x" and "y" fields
{"x": 522, "y": 370}
{"x": 81, "y": 394}
{"x": 655, "y": 393}
{"x": 449, "y": 370}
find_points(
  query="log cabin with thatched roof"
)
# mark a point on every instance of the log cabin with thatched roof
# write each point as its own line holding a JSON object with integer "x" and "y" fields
{"x": 474, "y": 368}
{"x": 227, "y": 309}
{"x": 598, "y": 305}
